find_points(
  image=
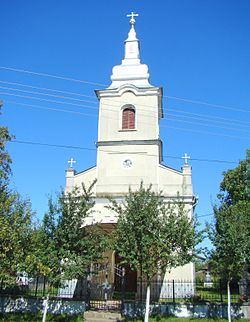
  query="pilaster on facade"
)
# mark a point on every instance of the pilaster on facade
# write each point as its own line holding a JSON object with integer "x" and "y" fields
{"x": 70, "y": 174}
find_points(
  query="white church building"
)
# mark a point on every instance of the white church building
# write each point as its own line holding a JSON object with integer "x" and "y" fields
{"x": 129, "y": 148}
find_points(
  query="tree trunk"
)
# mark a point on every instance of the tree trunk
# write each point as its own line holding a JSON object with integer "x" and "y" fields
{"x": 147, "y": 303}
{"x": 46, "y": 304}
{"x": 228, "y": 301}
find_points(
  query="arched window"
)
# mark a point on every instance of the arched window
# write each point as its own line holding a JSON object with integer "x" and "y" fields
{"x": 128, "y": 118}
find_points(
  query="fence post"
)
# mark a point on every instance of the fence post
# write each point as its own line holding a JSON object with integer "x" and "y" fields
{"x": 1, "y": 285}
{"x": 221, "y": 298}
{"x": 123, "y": 289}
{"x": 141, "y": 285}
{"x": 37, "y": 280}
{"x": 173, "y": 292}
{"x": 44, "y": 285}
{"x": 88, "y": 291}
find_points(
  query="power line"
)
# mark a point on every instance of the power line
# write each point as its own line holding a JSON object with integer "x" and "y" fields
{"x": 208, "y": 104}
{"x": 208, "y": 125}
{"x": 207, "y": 215}
{"x": 91, "y": 96}
{"x": 114, "y": 151}
{"x": 105, "y": 85}
{"x": 52, "y": 76}
{"x": 47, "y": 100}
{"x": 87, "y": 106}
{"x": 164, "y": 126}
{"x": 207, "y": 116}
{"x": 47, "y": 89}
{"x": 52, "y": 109}
{"x": 210, "y": 133}
{"x": 45, "y": 94}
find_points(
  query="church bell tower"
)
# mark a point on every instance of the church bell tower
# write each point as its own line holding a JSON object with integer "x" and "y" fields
{"x": 129, "y": 149}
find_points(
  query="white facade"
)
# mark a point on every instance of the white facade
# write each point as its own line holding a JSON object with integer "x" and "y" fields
{"x": 127, "y": 157}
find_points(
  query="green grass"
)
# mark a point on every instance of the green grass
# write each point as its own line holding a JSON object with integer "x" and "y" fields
{"x": 211, "y": 294}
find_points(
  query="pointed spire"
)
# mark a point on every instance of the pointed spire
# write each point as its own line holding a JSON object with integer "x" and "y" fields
{"x": 132, "y": 50}
{"x": 131, "y": 71}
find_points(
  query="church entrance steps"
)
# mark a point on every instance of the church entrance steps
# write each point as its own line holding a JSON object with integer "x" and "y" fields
{"x": 102, "y": 316}
{"x": 109, "y": 305}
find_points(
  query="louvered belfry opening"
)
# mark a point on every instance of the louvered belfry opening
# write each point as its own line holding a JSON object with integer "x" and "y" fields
{"x": 128, "y": 118}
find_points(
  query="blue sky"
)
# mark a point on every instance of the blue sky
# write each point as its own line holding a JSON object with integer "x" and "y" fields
{"x": 198, "y": 51}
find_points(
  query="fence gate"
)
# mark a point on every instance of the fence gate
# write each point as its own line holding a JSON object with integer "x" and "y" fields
{"x": 105, "y": 288}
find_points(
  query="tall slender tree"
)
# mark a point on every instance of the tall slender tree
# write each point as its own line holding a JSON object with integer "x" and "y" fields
{"x": 230, "y": 233}
{"x": 153, "y": 236}
{"x": 69, "y": 245}
{"x": 15, "y": 219}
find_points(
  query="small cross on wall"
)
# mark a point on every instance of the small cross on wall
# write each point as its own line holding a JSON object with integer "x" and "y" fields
{"x": 71, "y": 161}
{"x": 186, "y": 157}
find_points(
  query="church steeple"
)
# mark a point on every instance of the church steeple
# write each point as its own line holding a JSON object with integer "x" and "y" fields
{"x": 132, "y": 46}
{"x": 131, "y": 71}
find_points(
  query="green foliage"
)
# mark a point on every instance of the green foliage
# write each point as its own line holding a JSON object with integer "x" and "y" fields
{"x": 230, "y": 234}
{"x": 66, "y": 244}
{"x": 16, "y": 231}
{"x": 231, "y": 238}
{"x": 16, "y": 228}
{"x": 80, "y": 245}
{"x": 152, "y": 235}
{"x": 235, "y": 185}
{"x": 5, "y": 159}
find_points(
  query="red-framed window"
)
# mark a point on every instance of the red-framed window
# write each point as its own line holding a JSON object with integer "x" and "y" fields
{"x": 128, "y": 118}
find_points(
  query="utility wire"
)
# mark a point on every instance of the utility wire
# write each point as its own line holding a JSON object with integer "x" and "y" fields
{"x": 164, "y": 126}
{"x": 52, "y": 76}
{"x": 94, "y": 102}
{"x": 207, "y": 215}
{"x": 207, "y": 132}
{"x": 87, "y": 106}
{"x": 208, "y": 104}
{"x": 46, "y": 100}
{"x": 115, "y": 151}
{"x": 89, "y": 96}
{"x": 45, "y": 94}
{"x": 52, "y": 109}
{"x": 105, "y": 85}
{"x": 47, "y": 89}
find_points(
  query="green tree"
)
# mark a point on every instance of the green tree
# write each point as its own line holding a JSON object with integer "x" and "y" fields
{"x": 235, "y": 184}
{"x": 153, "y": 236}
{"x": 16, "y": 229}
{"x": 44, "y": 259}
{"x": 80, "y": 245}
{"x": 230, "y": 233}
{"x": 15, "y": 219}
{"x": 68, "y": 245}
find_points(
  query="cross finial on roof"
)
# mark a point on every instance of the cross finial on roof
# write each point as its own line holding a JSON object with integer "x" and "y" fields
{"x": 71, "y": 161}
{"x": 132, "y": 15}
{"x": 186, "y": 157}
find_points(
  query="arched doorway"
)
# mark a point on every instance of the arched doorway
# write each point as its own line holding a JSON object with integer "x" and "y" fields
{"x": 130, "y": 278}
